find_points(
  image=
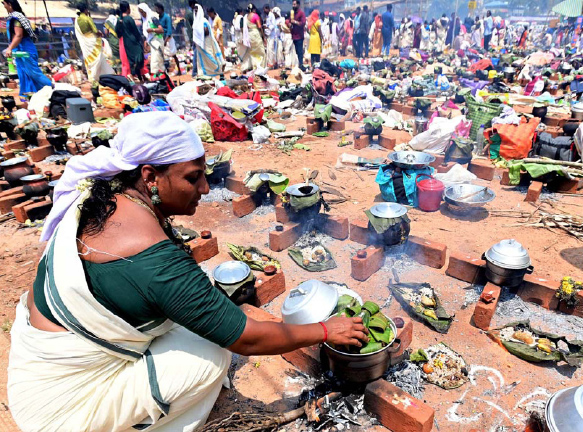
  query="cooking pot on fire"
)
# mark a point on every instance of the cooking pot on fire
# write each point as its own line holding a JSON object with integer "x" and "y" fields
{"x": 362, "y": 368}
{"x": 236, "y": 280}
{"x": 35, "y": 185}
{"x": 509, "y": 72}
{"x": 577, "y": 111}
{"x": 506, "y": 263}
{"x": 303, "y": 202}
{"x": 393, "y": 219}
{"x": 14, "y": 169}
{"x": 564, "y": 410}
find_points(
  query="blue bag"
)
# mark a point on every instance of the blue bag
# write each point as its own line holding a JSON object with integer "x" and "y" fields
{"x": 400, "y": 187}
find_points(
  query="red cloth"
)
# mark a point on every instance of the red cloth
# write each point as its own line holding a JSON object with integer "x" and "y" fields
{"x": 225, "y": 127}
{"x": 516, "y": 141}
{"x": 481, "y": 65}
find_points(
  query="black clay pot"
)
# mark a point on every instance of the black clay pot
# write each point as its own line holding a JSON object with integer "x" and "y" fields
{"x": 58, "y": 139}
{"x": 540, "y": 112}
{"x": 8, "y": 102}
{"x": 571, "y": 127}
{"x": 8, "y": 128}
{"x": 96, "y": 141}
{"x": 35, "y": 185}
{"x": 306, "y": 214}
{"x": 219, "y": 173}
{"x": 16, "y": 168}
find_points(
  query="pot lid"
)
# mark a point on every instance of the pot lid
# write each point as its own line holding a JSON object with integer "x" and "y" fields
{"x": 509, "y": 69}
{"x": 508, "y": 254}
{"x": 32, "y": 177}
{"x": 300, "y": 297}
{"x": 13, "y": 161}
{"x": 578, "y": 107}
{"x": 231, "y": 272}
{"x": 388, "y": 210}
{"x": 429, "y": 183}
{"x": 302, "y": 189}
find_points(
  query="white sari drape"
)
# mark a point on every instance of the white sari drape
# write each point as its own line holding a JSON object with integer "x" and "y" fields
{"x": 93, "y": 55}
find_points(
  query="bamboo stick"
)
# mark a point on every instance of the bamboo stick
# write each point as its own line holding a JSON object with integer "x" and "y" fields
{"x": 553, "y": 162}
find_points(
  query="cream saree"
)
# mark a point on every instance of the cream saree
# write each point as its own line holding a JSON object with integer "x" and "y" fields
{"x": 254, "y": 56}
{"x": 104, "y": 375}
{"x": 93, "y": 55}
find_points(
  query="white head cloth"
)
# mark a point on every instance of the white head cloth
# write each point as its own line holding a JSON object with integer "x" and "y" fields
{"x": 157, "y": 138}
{"x": 198, "y": 26}
{"x": 146, "y": 22}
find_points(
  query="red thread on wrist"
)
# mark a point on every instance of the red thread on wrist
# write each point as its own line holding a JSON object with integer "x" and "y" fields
{"x": 325, "y": 332}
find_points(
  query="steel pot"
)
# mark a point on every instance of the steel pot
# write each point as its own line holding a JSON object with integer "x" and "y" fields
{"x": 230, "y": 273}
{"x": 35, "y": 185}
{"x": 506, "y": 263}
{"x": 16, "y": 168}
{"x": 420, "y": 125}
{"x": 311, "y": 302}
{"x": 577, "y": 111}
{"x": 564, "y": 410}
{"x": 362, "y": 368}
{"x": 509, "y": 74}
{"x": 398, "y": 233}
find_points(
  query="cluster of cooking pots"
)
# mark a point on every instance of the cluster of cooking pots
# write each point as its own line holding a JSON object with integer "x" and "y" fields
{"x": 18, "y": 172}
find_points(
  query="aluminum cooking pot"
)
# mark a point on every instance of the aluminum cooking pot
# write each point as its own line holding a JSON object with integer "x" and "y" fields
{"x": 564, "y": 410}
{"x": 506, "y": 263}
{"x": 362, "y": 368}
{"x": 311, "y": 302}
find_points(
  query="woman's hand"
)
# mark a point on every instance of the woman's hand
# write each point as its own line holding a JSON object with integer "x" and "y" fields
{"x": 8, "y": 52}
{"x": 346, "y": 331}
{"x": 150, "y": 30}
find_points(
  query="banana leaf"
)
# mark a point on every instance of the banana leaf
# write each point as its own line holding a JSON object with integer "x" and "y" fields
{"x": 371, "y": 347}
{"x": 371, "y": 307}
{"x": 328, "y": 263}
{"x": 345, "y": 301}
{"x": 365, "y": 315}
{"x": 277, "y": 182}
{"x": 574, "y": 356}
{"x": 218, "y": 159}
{"x": 418, "y": 356}
{"x": 354, "y": 310}
{"x": 385, "y": 337}
{"x": 376, "y": 322}
{"x": 238, "y": 253}
{"x": 443, "y": 321}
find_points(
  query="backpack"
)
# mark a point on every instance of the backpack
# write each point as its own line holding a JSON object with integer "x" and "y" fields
{"x": 561, "y": 148}
{"x": 141, "y": 94}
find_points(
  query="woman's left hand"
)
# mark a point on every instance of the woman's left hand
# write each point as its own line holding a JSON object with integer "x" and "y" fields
{"x": 7, "y": 52}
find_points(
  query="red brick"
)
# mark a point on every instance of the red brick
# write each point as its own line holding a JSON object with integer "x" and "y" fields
{"x": 396, "y": 409}
{"x": 12, "y": 191}
{"x": 9, "y": 154}
{"x": 388, "y": 142}
{"x": 269, "y": 287}
{"x": 7, "y": 202}
{"x": 563, "y": 185}
{"x": 361, "y": 142}
{"x": 237, "y": 185}
{"x": 409, "y": 110}
{"x": 40, "y": 153}
{"x": 426, "y": 252}
{"x": 505, "y": 180}
{"x": 405, "y": 335}
{"x": 540, "y": 291}
{"x": 38, "y": 210}
{"x": 363, "y": 268}
{"x": 336, "y": 126}
{"x": 577, "y": 310}
{"x": 310, "y": 120}
{"x": 12, "y": 85}
{"x": 19, "y": 212}
{"x": 334, "y": 226}
{"x": 466, "y": 267}
{"x": 4, "y": 185}
{"x": 15, "y": 145}
{"x": 243, "y": 205}
{"x": 396, "y": 106}
{"x": 204, "y": 249}
{"x": 281, "y": 240}
{"x": 482, "y": 168}
{"x": 312, "y": 128}
{"x": 484, "y": 312}
{"x": 359, "y": 232}
{"x": 281, "y": 214}
{"x": 444, "y": 168}
{"x": 534, "y": 191}
{"x": 305, "y": 359}
{"x": 257, "y": 314}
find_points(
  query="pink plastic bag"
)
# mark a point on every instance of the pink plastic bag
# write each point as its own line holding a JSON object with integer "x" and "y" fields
{"x": 462, "y": 130}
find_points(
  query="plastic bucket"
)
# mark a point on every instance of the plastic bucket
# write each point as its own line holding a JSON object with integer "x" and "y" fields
{"x": 429, "y": 193}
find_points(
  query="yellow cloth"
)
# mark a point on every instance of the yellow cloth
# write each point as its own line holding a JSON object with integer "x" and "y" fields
{"x": 315, "y": 46}
{"x": 218, "y": 31}
{"x": 255, "y": 56}
{"x": 86, "y": 24}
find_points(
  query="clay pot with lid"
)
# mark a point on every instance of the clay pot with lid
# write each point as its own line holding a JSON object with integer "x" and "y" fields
{"x": 35, "y": 185}
{"x": 14, "y": 169}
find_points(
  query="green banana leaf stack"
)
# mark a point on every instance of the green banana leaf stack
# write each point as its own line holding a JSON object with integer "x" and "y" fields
{"x": 421, "y": 301}
{"x": 380, "y": 332}
{"x": 216, "y": 160}
{"x": 253, "y": 257}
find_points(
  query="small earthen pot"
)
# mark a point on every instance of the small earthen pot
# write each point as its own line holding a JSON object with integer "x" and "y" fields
{"x": 35, "y": 185}
{"x": 16, "y": 168}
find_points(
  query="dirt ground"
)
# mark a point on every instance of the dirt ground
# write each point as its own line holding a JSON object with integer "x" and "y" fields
{"x": 502, "y": 384}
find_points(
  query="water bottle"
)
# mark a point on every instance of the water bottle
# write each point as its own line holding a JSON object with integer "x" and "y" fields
{"x": 480, "y": 140}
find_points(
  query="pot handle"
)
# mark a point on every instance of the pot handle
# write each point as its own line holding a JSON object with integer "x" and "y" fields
{"x": 422, "y": 175}
{"x": 395, "y": 347}
{"x": 484, "y": 256}
{"x": 529, "y": 269}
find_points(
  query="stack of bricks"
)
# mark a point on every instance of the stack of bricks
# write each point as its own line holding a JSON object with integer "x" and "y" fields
{"x": 313, "y": 126}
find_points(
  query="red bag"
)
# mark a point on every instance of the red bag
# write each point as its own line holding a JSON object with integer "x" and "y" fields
{"x": 225, "y": 127}
{"x": 254, "y": 96}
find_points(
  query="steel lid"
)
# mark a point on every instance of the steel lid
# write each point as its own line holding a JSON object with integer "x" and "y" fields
{"x": 32, "y": 177}
{"x": 13, "y": 161}
{"x": 299, "y": 299}
{"x": 302, "y": 189}
{"x": 388, "y": 210}
{"x": 231, "y": 272}
{"x": 578, "y": 107}
{"x": 508, "y": 254}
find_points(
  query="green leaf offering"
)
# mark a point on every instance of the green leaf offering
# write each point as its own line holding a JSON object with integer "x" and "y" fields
{"x": 385, "y": 337}
{"x": 365, "y": 315}
{"x": 353, "y": 310}
{"x": 345, "y": 301}
{"x": 371, "y": 347}
{"x": 418, "y": 356}
{"x": 372, "y": 307}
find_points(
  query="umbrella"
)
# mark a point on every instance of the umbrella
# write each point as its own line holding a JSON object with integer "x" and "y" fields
{"x": 569, "y": 8}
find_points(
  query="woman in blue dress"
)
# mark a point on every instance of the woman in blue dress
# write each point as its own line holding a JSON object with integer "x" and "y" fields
{"x": 21, "y": 37}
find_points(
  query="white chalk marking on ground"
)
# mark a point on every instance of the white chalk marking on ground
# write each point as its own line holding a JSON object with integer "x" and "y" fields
{"x": 454, "y": 417}
{"x": 497, "y": 407}
{"x": 474, "y": 369}
{"x": 539, "y": 391}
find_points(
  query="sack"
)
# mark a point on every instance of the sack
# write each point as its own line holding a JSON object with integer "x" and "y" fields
{"x": 330, "y": 68}
{"x": 225, "y": 127}
{"x": 323, "y": 83}
{"x": 577, "y": 86}
{"x": 515, "y": 140}
{"x": 481, "y": 114}
{"x": 560, "y": 148}
{"x": 141, "y": 94}
{"x": 115, "y": 82}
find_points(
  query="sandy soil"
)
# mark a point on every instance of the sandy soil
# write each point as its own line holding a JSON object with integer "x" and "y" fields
{"x": 267, "y": 382}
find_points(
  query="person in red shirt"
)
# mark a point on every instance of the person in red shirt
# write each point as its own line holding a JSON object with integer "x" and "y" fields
{"x": 298, "y": 21}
